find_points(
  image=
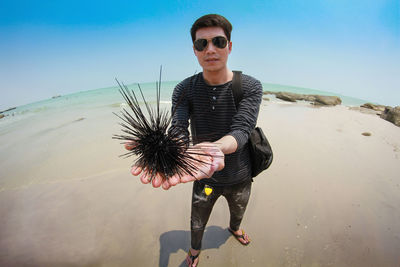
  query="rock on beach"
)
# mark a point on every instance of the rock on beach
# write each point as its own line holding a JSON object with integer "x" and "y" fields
{"x": 379, "y": 109}
{"x": 392, "y": 115}
{"x": 318, "y": 100}
{"x": 327, "y": 100}
{"x": 385, "y": 112}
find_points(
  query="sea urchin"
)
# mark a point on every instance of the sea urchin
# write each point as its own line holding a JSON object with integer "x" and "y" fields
{"x": 159, "y": 149}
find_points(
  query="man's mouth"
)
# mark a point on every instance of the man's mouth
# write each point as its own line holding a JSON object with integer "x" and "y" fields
{"x": 211, "y": 59}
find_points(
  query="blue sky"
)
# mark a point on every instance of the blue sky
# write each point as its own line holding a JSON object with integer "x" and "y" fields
{"x": 58, "y": 47}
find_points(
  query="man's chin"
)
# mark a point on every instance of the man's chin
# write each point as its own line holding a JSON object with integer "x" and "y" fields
{"x": 212, "y": 68}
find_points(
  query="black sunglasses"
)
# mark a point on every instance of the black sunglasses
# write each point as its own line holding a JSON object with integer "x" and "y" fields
{"x": 218, "y": 41}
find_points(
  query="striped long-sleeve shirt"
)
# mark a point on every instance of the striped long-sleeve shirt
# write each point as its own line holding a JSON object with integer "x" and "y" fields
{"x": 212, "y": 113}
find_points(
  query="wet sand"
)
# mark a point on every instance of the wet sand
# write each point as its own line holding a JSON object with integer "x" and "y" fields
{"x": 330, "y": 198}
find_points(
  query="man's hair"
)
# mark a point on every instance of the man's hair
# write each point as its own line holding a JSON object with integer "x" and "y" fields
{"x": 211, "y": 20}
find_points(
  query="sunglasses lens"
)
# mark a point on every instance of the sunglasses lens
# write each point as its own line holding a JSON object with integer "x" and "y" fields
{"x": 200, "y": 44}
{"x": 220, "y": 41}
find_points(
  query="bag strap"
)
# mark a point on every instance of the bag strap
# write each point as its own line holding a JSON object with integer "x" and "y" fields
{"x": 237, "y": 87}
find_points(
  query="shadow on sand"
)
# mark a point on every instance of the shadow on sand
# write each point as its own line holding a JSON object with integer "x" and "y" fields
{"x": 172, "y": 241}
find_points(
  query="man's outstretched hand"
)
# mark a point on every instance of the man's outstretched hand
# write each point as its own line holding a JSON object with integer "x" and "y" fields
{"x": 212, "y": 159}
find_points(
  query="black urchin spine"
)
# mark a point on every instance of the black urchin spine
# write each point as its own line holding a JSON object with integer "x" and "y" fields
{"x": 159, "y": 150}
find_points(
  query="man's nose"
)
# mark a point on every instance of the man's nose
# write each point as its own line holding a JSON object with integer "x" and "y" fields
{"x": 210, "y": 48}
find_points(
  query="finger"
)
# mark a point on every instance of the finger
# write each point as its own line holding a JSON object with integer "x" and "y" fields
{"x": 213, "y": 168}
{"x": 207, "y": 170}
{"x": 130, "y": 145}
{"x": 144, "y": 178}
{"x": 136, "y": 170}
{"x": 166, "y": 185}
{"x": 218, "y": 159}
{"x": 157, "y": 181}
{"x": 174, "y": 180}
{"x": 187, "y": 178}
{"x": 218, "y": 164}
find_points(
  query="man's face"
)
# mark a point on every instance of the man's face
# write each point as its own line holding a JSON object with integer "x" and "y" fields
{"x": 212, "y": 58}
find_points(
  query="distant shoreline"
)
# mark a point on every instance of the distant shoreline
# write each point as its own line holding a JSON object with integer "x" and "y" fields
{"x": 8, "y": 109}
{"x": 107, "y": 95}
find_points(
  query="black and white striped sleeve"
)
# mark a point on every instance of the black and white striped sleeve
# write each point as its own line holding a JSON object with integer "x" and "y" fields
{"x": 246, "y": 118}
{"x": 180, "y": 107}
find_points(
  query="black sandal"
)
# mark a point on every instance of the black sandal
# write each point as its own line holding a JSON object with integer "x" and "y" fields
{"x": 190, "y": 259}
{"x": 242, "y": 236}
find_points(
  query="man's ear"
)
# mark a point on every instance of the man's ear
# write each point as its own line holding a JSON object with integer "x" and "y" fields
{"x": 230, "y": 47}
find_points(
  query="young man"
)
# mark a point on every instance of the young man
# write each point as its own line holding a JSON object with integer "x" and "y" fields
{"x": 209, "y": 104}
{"x": 218, "y": 127}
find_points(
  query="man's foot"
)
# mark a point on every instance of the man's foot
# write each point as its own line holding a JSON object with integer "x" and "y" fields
{"x": 192, "y": 258}
{"x": 240, "y": 236}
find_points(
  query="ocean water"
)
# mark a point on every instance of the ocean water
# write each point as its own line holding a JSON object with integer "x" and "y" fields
{"x": 71, "y": 136}
{"x": 346, "y": 100}
{"x": 98, "y": 100}
{"x": 110, "y": 100}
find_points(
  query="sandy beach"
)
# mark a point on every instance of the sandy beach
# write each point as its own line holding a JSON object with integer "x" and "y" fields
{"x": 330, "y": 198}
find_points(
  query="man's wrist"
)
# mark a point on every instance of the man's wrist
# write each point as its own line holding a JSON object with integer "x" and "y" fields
{"x": 227, "y": 144}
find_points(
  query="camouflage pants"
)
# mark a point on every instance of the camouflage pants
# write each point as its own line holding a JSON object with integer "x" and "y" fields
{"x": 237, "y": 196}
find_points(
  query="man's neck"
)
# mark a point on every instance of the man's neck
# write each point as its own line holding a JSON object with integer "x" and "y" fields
{"x": 218, "y": 77}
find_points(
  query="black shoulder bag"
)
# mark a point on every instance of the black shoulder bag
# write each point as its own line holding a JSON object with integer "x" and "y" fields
{"x": 260, "y": 150}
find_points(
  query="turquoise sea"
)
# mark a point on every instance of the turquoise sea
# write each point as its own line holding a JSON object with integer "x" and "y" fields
{"x": 110, "y": 100}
